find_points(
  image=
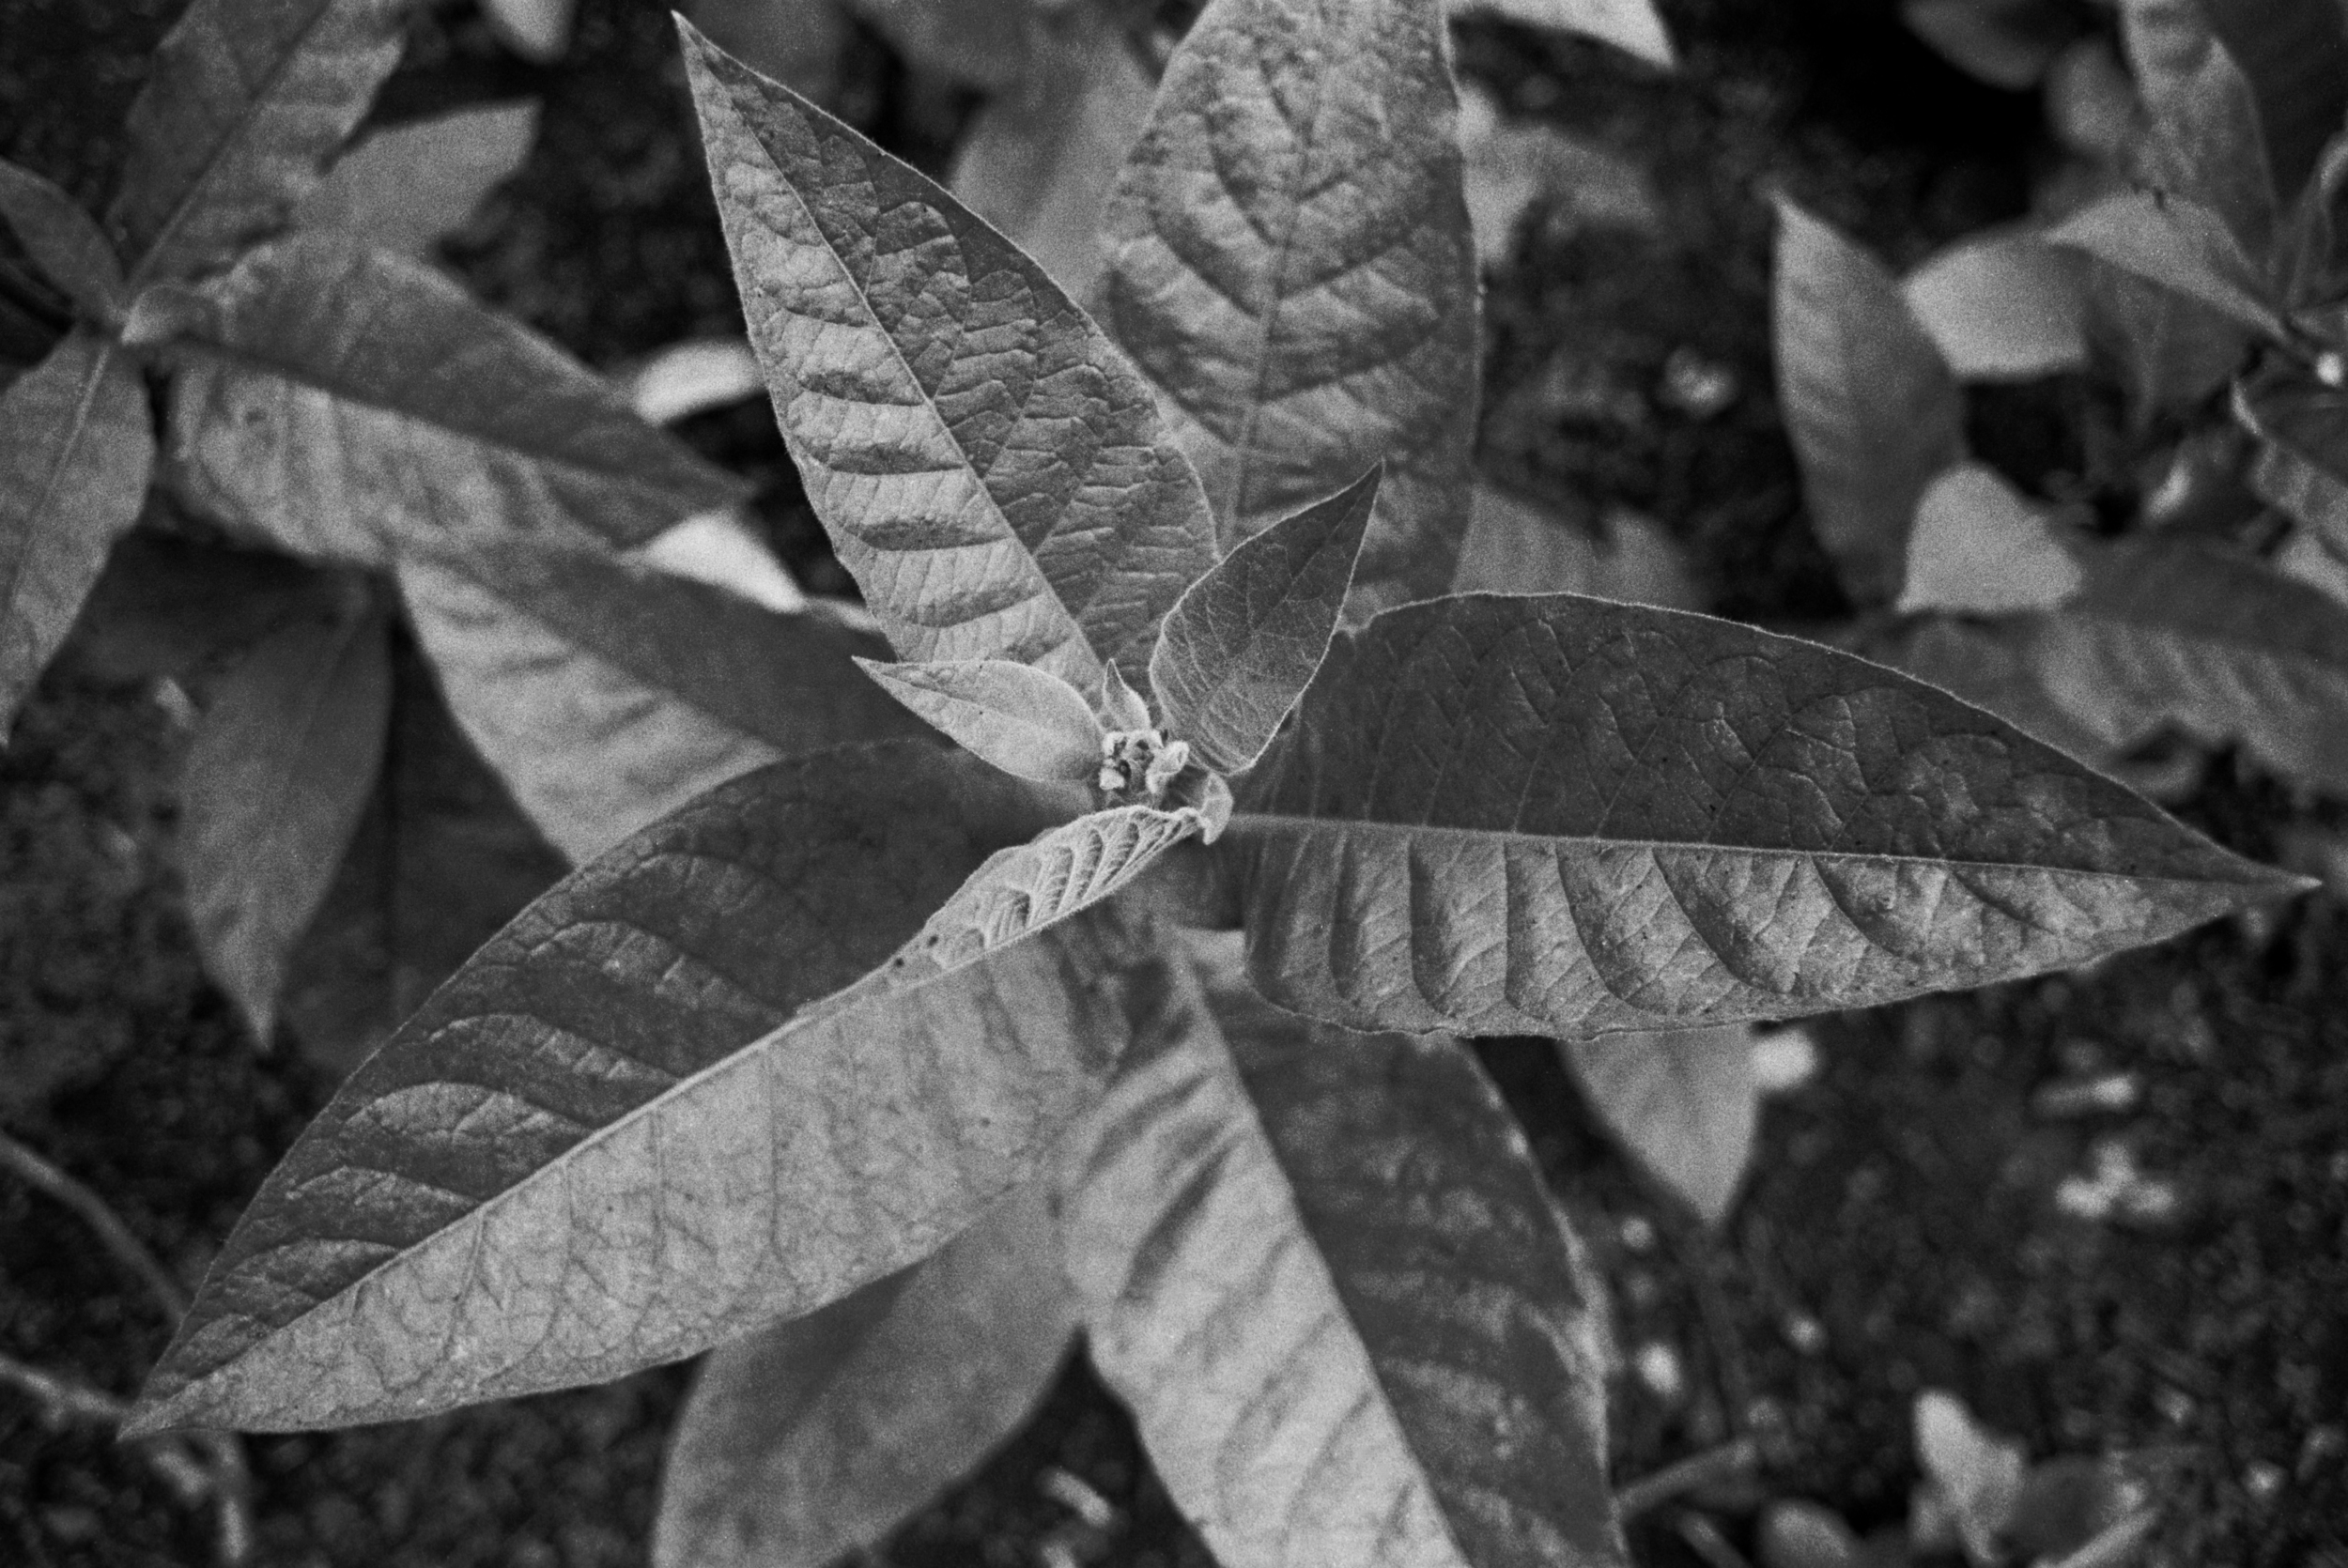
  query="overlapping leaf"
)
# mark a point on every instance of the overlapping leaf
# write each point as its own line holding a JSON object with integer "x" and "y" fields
{"x": 608, "y": 698}
{"x": 2003, "y": 305}
{"x": 350, "y": 405}
{"x": 2206, "y": 143}
{"x": 1290, "y": 262}
{"x": 1240, "y": 646}
{"x": 1683, "y": 1101}
{"x": 277, "y": 775}
{"x": 2170, "y": 241}
{"x": 74, "y": 458}
{"x": 407, "y": 187}
{"x": 1347, "y": 1317}
{"x": 1981, "y": 547}
{"x": 2170, "y": 351}
{"x": 990, "y": 467}
{"x": 246, "y": 100}
{"x": 815, "y": 1437}
{"x": 1514, "y": 546}
{"x": 648, "y": 1118}
{"x": 64, "y": 241}
{"x": 1872, "y": 409}
{"x": 1011, "y": 716}
{"x": 1630, "y": 26}
{"x": 1564, "y": 816}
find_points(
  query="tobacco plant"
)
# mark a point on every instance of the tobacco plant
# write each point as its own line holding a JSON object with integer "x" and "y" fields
{"x": 881, "y": 1070}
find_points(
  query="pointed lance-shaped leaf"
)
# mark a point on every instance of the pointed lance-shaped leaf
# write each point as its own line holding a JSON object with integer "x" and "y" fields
{"x": 660, "y": 1110}
{"x": 812, "y": 1437}
{"x": 278, "y": 771}
{"x": 348, "y": 404}
{"x": 74, "y": 461}
{"x": 1683, "y": 1102}
{"x": 64, "y": 241}
{"x": 1021, "y": 720}
{"x": 2173, "y": 241}
{"x": 247, "y": 100}
{"x": 991, "y": 468}
{"x": 1563, "y": 816}
{"x": 608, "y": 697}
{"x": 1240, "y": 646}
{"x": 1291, "y": 264}
{"x": 406, "y": 188}
{"x": 1630, "y": 25}
{"x": 1326, "y": 1278}
{"x": 1872, "y": 409}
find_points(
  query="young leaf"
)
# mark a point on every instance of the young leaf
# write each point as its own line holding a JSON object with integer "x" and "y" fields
{"x": 1684, "y": 1102}
{"x": 406, "y": 189}
{"x": 1558, "y": 815}
{"x": 646, "y": 1118}
{"x": 2006, "y": 306}
{"x": 245, "y": 102}
{"x": 816, "y": 1436}
{"x": 1630, "y": 26}
{"x": 1290, "y": 262}
{"x": 2217, "y": 645}
{"x": 990, "y": 468}
{"x": 1347, "y": 1316}
{"x": 1012, "y": 715}
{"x": 64, "y": 241}
{"x": 608, "y": 698}
{"x": 348, "y": 404}
{"x": 277, "y": 775}
{"x": 74, "y": 461}
{"x": 2206, "y": 143}
{"x": 1979, "y": 547}
{"x": 2170, "y": 241}
{"x": 1240, "y": 646}
{"x": 1872, "y": 409}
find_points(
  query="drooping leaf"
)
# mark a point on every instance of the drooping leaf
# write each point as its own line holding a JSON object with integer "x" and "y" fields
{"x": 407, "y": 187}
{"x": 2301, "y": 464}
{"x": 1630, "y": 25}
{"x": 1979, "y": 546}
{"x": 1011, "y": 716}
{"x": 279, "y": 769}
{"x": 64, "y": 241}
{"x": 2173, "y": 634}
{"x": 607, "y": 698}
{"x": 2206, "y": 145}
{"x": 1326, "y": 1279}
{"x": 983, "y": 43}
{"x": 75, "y": 450}
{"x": 660, "y": 1110}
{"x": 1290, "y": 263}
{"x": 2170, "y": 241}
{"x": 2006, "y": 43}
{"x": 1979, "y": 1473}
{"x": 1559, "y": 815}
{"x": 1684, "y": 1102}
{"x": 1514, "y": 546}
{"x": 990, "y": 468}
{"x": 1040, "y": 160}
{"x": 2009, "y": 305}
{"x": 245, "y": 103}
{"x": 538, "y": 30}
{"x": 1872, "y": 409}
{"x": 812, "y": 1437}
{"x": 1240, "y": 646}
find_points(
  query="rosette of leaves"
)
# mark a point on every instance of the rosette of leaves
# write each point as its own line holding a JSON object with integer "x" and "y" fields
{"x": 881, "y": 1070}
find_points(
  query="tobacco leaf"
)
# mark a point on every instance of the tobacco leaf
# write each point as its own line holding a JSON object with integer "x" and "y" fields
{"x": 1559, "y": 815}
{"x": 1979, "y": 546}
{"x": 1012, "y": 717}
{"x": 2008, "y": 306}
{"x": 990, "y": 467}
{"x": 2294, "y": 54}
{"x": 1323, "y": 1271}
{"x": 1684, "y": 1102}
{"x": 406, "y": 188}
{"x": 348, "y": 406}
{"x": 73, "y": 470}
{"x": 64, "y": 241}
{"x": 2181, "y": 246}
{"x": 1630, "y": 26}
{"x": 1992, "y": 665}
{"x": 1872, "y": 409}
{"x": 2171, "y": 352}
{"x": 277, "y": 775}
{"x": 1242, "y": 644}
{"x": 815, "y": 1437}
{"x": 1290, "y": 262}
{"x": 660, "y": 1110}
{"x": 2206, "y": 144}
{"x": 246, "y": 100}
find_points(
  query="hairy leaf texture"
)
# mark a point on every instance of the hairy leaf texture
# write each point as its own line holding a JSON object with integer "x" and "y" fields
{"x": 1347, "y": 1317}
{"x": 64, "y": 241}
{"x": 2294, "y": 54}
{"x": 277, "y": 775}
{"x": 1870, "y": 406}
{"x": 350, "y": 405}
{"x": 246, "y": 100}
{"x": 990, "y": 467}
{"x": 1015, "y": 716}
{"x": 1559, "y": 815}
{"x": 1682, "y": 1102}
{"x": 1290, "y": 262}
{"x": 812, "y": 1437}
{"x": 76, "y": 448}
{"x": 608, "y": 697}
{"x": 1240, "y": 646}
{"x": 659, "y": 1110}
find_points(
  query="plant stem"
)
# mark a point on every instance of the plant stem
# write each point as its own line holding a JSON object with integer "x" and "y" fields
{"x": 91, "y": 1209}
{"x": 1698, "y": 1470}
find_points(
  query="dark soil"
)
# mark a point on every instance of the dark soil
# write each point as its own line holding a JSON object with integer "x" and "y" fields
{"x": 1900, "y": 1231}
